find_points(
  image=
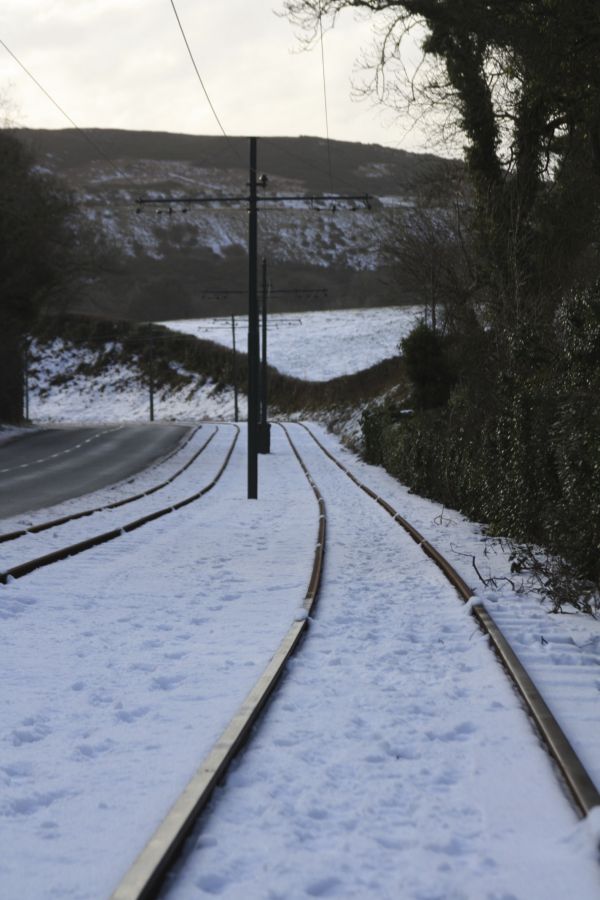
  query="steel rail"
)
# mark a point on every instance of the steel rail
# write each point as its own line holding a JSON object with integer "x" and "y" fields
{"x": 96, "y": 540}
{"x": 145, "y": 877}
{"x": 582, "y": 789}
{"x": 71, "y": 517}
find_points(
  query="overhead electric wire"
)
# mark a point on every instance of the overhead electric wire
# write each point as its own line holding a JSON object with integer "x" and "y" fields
{"x": 79, "y": 130}
{"x": 325, "y": 102}
{"x": 280, "y": 148}
{"x": 202, "y": 85}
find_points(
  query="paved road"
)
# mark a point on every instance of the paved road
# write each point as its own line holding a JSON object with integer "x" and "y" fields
{"x": 47, "y": 467}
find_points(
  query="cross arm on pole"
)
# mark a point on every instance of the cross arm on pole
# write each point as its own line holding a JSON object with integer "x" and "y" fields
{"x": 365, "y": 199}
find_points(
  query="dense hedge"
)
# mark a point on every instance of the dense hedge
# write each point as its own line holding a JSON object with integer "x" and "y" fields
{"x": 207, "y": 360}
{"x": 523, "y": 455}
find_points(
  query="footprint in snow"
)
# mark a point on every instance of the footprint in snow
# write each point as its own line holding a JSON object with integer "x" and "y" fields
{"x": 17, "y": 770}
{"x": 31, "y": 731}
{"x": 212, "y": 884}
{"x": 91, "y": 751}
{"x": 458, "y": 733}
{"x": 130, "y": 715}
{"x": 166, "y": 682}
{"x": 28, "y": 806}
{"x": 322, "y": 887}
{"x": 49, "y": 830}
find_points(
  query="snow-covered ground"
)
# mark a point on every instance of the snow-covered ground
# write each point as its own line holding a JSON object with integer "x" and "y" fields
{"x": 299, "y": 345}
{"x": 121, "y": 666}
{"x": 318, "y": 345}
{"x": 117, "y": 394}
{"x": 396, "y": 761}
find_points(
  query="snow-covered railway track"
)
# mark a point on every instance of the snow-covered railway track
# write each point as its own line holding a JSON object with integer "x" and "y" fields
{"x": 222, "y": 865}
{"x": 146, "y": 876}
{"x": 581, "y": 786}
{"x": 20, "y": 546}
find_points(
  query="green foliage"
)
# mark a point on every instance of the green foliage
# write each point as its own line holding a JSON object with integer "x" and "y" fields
{"x": 35, "y": 243}
{"x": 525, "y": 456}
{"x": 428, "y": 366}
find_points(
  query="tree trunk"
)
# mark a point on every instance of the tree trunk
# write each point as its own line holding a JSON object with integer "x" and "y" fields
{"x": 11, "y": 376}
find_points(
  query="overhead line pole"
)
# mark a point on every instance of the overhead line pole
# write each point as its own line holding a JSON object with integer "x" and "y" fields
{"x": 253, "y": 353}
{"x": 264, "y": 428}
{"x": 235, "y": 377}
{"x": 253, "y": 332}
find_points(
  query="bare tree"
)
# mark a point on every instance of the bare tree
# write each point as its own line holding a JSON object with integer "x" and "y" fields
{"x": 518, "y": 82}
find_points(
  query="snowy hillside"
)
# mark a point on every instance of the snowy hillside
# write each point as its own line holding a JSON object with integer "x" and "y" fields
{"x": 169, "y": 260}
{"x": 293, "y": 231}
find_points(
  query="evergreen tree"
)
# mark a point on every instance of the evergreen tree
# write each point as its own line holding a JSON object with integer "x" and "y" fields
{"x": 37, "y": 249}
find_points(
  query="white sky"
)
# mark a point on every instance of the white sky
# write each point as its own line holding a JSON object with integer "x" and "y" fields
{"x": 123, "y": 64}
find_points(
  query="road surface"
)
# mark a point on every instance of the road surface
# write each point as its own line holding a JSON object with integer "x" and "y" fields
{"x": 47, "y": 467}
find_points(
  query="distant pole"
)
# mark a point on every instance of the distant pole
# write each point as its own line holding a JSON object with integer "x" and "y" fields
{"x": 26, "y": 381}
{"x": 253, "y": 349}
{"x": 263, "y": 361}
{"x": 235, "y": 378}
{"x": 151, "y": 377}
{"x": 264, "y": 441}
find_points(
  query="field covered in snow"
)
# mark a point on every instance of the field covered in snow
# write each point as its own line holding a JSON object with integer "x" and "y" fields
{"x": 320, "y": 345}
{"x": 116, "y": 394}
{"x": 316, "y": 345}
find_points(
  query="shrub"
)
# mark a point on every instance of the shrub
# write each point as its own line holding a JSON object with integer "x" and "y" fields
{"x": 428, "y": 367}
{"x": 523, "y": 452}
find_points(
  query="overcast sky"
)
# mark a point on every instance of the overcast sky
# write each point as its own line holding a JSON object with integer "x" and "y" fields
{"x": 123, "y": 64}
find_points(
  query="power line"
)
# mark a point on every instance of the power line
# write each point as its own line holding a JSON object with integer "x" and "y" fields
{"x": 325, "y": 102}
{"x": 202, "y": 85}
{"x": 80, "y": 131}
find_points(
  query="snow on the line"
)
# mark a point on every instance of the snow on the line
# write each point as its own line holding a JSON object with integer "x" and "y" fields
{"x": 396, "y": 761}
{"x": 560, "y": 652}
{"x": 317, "y": 345}
{"x": 107, "y": 662}
{"x": 122, "y": 666}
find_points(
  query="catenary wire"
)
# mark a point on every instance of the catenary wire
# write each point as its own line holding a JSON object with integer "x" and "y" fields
{"x": 202, "y": 85}
{"x": 325, "y": 103}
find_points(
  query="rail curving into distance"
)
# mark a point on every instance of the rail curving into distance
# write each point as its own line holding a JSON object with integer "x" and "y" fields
{"x": 147, "y": 873}
{"x": 581, "y": 787}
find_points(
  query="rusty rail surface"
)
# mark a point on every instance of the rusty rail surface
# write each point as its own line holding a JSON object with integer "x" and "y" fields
{"x": 148, "y": 872}
{"x": 582, "y": 789}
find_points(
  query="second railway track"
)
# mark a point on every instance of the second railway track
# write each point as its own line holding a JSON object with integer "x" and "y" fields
{"x": 34, "y": 548}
